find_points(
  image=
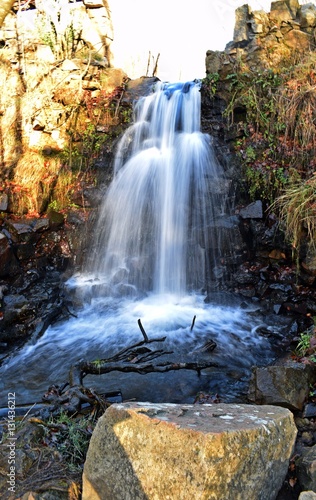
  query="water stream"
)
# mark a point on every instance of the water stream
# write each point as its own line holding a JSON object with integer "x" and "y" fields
{"x": 153, "y": 232}
{"x": 157, "y": 244}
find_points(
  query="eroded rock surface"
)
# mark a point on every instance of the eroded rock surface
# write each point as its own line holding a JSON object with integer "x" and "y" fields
{"x": 180, "y": 452}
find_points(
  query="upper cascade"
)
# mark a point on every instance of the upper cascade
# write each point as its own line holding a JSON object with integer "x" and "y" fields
{"x": 154, "y": 229}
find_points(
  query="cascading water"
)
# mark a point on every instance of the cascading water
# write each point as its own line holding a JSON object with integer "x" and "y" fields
{"x": 154, "y": 255}
{"x": 153, "y": 232}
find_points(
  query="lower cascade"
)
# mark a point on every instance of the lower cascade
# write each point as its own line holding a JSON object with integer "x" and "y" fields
{"x": 158, "y": 245}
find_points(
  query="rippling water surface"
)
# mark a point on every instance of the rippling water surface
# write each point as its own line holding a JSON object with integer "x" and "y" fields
{"x": 157, "y": 244}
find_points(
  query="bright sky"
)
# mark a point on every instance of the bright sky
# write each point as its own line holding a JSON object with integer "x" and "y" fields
{"x": 181, "y": 31}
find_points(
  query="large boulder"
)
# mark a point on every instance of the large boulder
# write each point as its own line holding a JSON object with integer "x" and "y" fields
{"x": 212, "y": 451}
{"x": 286, "y": 385}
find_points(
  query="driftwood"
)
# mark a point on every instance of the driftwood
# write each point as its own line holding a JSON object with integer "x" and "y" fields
{"x": 137, "y": 358}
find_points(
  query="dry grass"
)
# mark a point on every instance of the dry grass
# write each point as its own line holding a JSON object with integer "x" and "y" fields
{"x": 296, "y": 102}
{"x": 297, "y": 109}
{"x": 63, "y": 188}
{"x": 297, "y": 210}
{"x": 35, "y": 178}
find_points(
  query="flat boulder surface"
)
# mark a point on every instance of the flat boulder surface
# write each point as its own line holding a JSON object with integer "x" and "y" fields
{"x": 180, "y": 452}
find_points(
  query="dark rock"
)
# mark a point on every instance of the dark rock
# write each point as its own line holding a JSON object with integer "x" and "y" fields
{"x": 307, "y": 468}
{"x": 226, "y": 299}
{"x": 252, "y": 211}
{"x": 310, "y": 410}
{"x": 56, "y": 219}
{"x": 243, "y": 277}
{"x": 284, "y": 385}
{"x": 24, "y": 251}
{"x": 9, "y": 265}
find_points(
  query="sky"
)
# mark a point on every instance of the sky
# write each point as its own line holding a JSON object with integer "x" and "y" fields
{"x": 180, "y": 31}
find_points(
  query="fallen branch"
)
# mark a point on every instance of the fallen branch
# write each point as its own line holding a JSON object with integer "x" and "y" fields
{"x": 136, "y": 358}
{"x": 84, "y": 368}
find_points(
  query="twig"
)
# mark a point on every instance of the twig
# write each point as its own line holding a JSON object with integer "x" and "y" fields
{"x": 26, "y": 414}
{"x": 148, "y": 63}
{"x": 156, "y": 65}
{"x": 192, "y": 324}
{"x": 142, "y": 330}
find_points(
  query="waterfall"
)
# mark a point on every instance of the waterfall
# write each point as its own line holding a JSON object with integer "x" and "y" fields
{"x": 158, "y": 244}
{"x": 153, "y": 233}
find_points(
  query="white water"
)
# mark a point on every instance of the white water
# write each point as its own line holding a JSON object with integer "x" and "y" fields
{"x": 155, "y": 235}
{"x": 106, "y": 325}
{"x": 168, "y": 189}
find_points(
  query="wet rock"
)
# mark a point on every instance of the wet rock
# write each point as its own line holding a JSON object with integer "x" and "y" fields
{"x": 277, "y": 308}
{"x": 87, "y": 197}
{"x": 186, "y": 451}
{"x": 307, "y": 468}
{"x": 9, "y": 265}
{"x": 285, "y": 385}
{"x": 14, "y": 306}
{"x": 24, "y": 231}
{"x": 125, "y": 290}
{"x": 119, "y": 276}
{"x": 252, "y": 211}
{"x": 307, "y": 438}
{"x": 309, "y": 263}
{"x": 24, "y": 251}
{"x": 138, "y": 88}
{"x": 244, "y": 277}
{"x": 247, "y": 292}
{"x": 226, "y": 299}
{"x": 29, "y": 305}
{"x": 310, "y": 410}
{"x": 298, "y": 308}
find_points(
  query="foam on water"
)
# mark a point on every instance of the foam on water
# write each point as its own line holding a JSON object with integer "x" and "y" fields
{"x": 157, "y": 244}
{"x": 105, "y": 326}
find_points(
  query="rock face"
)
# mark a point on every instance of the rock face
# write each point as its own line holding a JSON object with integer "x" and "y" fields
{"x": 287, "y": 385}
{"x": 181, "y": 452}
{"x": 265, "y": 39}
{"x": 307, "y": 468}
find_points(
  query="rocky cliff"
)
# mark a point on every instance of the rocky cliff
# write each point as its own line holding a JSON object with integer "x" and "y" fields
{"x": 266, "y": 40}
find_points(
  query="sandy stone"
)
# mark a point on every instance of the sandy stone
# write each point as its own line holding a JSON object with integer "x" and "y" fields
{"x": 180, "y": 452}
